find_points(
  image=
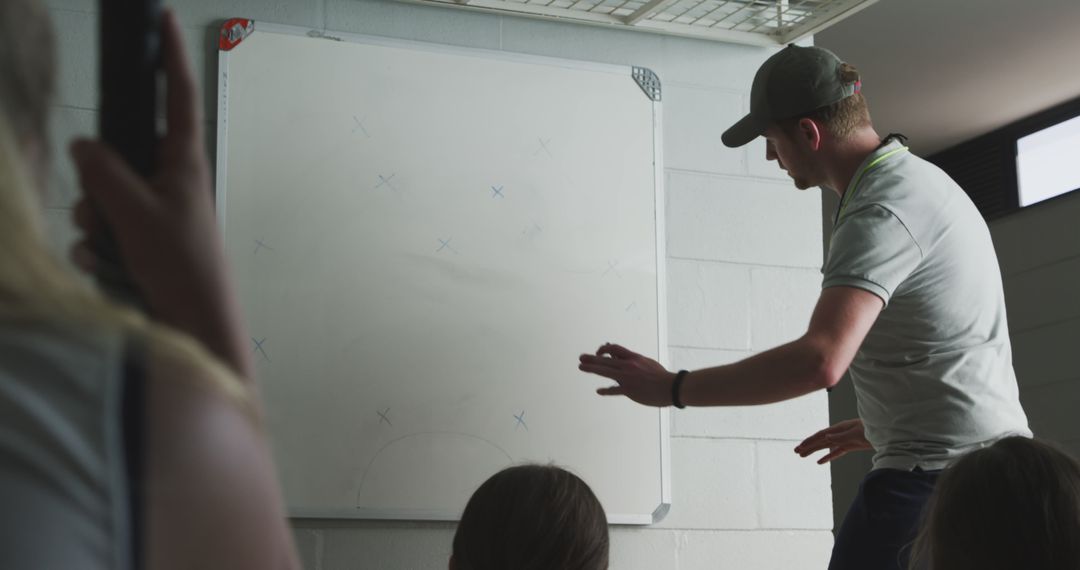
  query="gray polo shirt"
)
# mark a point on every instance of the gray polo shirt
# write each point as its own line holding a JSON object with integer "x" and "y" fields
{"x": 934, "y": 377}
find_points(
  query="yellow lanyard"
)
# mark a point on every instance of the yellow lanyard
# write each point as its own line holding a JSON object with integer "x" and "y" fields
{"x": 858, "y": 178}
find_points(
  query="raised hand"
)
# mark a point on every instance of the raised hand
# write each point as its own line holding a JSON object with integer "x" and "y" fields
{"x": 840, "y": 439}
{"x": 637, "y": 377}
{"x": 165, "y": 227}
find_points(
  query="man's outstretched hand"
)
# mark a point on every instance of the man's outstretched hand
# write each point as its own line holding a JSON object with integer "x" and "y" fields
{"x": 637, "y": 377}
{"x": 840, "y": 439}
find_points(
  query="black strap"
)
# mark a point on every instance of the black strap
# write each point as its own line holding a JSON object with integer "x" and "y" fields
{"x": 133, "y": 418}
{"x": 890, "y": 137}
{"x": 676, "y": 387}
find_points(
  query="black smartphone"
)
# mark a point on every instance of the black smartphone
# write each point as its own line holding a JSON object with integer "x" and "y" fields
{"x": 130, "y": 61}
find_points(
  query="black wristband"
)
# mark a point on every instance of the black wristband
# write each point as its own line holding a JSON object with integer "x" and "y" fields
{"x": 676, "y": 385}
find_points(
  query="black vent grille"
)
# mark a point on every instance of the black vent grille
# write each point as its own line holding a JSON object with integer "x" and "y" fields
{"x": 985, "y": 167}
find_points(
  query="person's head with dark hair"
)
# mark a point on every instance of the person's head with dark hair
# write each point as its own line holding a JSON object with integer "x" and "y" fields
{"x": 532, "y": 517}
{"x": 1012, "y": 505}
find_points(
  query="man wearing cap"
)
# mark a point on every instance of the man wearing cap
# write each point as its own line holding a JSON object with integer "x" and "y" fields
{"x": 911, "y": 307}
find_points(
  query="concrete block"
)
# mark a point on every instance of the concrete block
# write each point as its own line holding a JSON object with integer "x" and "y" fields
{"x": 413, "y": 22}
{"x": 742, "y": 220}
{"x": 694, "y": 119}
{"x": 641, "y": 549}
{"x": 207, "y": 12}
{"x": 1037, "y": 236}
{"x": 309, "y": 547}
{"x": 793, "y": 493}
{"x": 1051, "y": 409}
{"x": 379, "y": 546}
{"x": 78, "y": 83}
{"x": 1043, "y": 295}
{"x": 708, "y": 304}
{"x": 67, "y": 123}
{"x": 781, "y": 303}
{"x": 792, "y": 420}
{"x": 203, "y": 13}
{"x": 202, "y": 49}
{"x": 1072, "y": 447}
{"x": 583, "y": 42}
{"x": 758, "y": 550}
{"x": 77, "y": 49}
{"x": 61, "y": 233}
{"x": 73, "y": 5}
{"x": 1045, "y": 354}
{"x": 705, "y": 63}
{"x": 201, "y": 44}
{"x": 697, "y": 358}
{"x": 712, "y": 485}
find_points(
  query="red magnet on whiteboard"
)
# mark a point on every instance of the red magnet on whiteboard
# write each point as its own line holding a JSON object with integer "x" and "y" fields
{"x": 234, "y": 31}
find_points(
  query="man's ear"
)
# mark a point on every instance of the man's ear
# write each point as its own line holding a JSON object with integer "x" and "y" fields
{"x": 810, "y": 132}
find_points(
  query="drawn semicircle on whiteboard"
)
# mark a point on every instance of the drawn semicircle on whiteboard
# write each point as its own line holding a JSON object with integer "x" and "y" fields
{"x": 425, "y": 468}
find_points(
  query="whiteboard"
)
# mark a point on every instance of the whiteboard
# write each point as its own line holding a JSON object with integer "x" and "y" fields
{"x": 424, "y": 238}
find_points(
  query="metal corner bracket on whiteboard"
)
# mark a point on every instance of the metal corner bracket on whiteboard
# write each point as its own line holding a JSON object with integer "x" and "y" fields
{"x": 647, "y": 81}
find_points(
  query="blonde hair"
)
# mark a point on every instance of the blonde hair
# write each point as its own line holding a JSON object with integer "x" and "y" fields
{"x": 27, "y": 66}
{"x": 35, "y": 287}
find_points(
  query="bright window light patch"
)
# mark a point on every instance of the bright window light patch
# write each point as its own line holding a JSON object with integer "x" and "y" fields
{"x": 1048, "y": 162}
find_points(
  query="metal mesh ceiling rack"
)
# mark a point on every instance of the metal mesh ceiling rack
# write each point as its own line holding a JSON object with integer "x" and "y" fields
{"x": 755, "y": 22}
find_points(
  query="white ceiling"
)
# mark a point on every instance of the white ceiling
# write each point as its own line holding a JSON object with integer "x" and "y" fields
{"x": 945, "y": 71}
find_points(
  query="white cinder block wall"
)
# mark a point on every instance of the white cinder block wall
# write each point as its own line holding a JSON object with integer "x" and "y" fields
{"x": 744, "y": 257}
{"x": 1039, "y": 252}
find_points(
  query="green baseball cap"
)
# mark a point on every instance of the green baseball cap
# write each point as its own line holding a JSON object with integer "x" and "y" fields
{"x": 794, "y": 81}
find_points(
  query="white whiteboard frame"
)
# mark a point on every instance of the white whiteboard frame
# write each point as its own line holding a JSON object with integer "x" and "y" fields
{"x": 664, "y": 415}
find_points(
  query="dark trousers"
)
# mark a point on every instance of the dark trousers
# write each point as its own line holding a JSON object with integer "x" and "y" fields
{"x": 883, "y": 520}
